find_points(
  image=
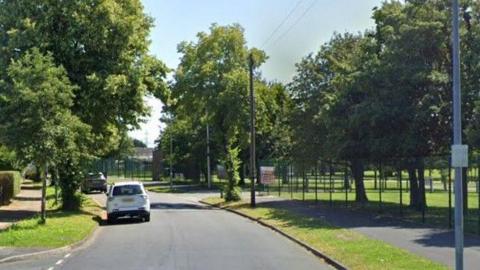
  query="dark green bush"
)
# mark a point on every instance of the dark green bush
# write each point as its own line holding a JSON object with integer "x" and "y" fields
{"x": 9, "y": 185}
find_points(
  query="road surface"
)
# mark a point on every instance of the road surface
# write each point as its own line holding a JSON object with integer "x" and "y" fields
{"x": 182, "y": 234}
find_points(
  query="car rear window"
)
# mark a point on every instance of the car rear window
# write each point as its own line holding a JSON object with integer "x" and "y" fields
{"x": 127, "y": 190}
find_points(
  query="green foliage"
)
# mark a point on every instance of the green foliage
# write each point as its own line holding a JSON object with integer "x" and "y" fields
{"x": 386, "y": 94}
{"x": 102, "y": 46}
{"x": 10, "y": 182}
{"x": 35, "y": 109}
{"x": 8, "y": 160}
{"x": 232, "y": 163}
{"x": 73, "y": 77}
{"x": 138, "y": 143}
{"x": 211, "y": 87}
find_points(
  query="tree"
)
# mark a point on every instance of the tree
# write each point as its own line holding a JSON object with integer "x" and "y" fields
{"x": 213, "y": 76}
{"x": 414, "y": 52}
{"x": 138, "y": 143}
{"x": 329, "y": 121}
{"x": 102, "y": 45}
{"x": 35, "y": 113}
{"x": 102, "y": 48}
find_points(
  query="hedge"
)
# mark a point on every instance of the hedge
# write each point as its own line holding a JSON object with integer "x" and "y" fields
{"x": 9, "y": 185}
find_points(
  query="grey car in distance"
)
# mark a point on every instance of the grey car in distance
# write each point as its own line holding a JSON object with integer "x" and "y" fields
{"x": 94, "y": 181}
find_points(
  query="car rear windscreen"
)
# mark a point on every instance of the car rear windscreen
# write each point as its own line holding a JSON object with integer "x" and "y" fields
{"x": 127, "y": 190}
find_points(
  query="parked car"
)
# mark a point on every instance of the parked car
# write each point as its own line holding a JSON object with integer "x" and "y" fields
{"x": 128, "y": 199}
{"x": 94, "y": 181}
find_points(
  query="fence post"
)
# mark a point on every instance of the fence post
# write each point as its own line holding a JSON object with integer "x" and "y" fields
{"x": 290, "y": 181}
{"x": 449, "y": 193}
{"x": 280, "y": 179}
{"x": 303, "y": 184}
{"x": 346, "y": 185}
{"x": 478, "y": 196}
{"x": 401, "y": 191}
{"x": 330, "y": 169}
{"x": 380, "y": 175}
{"x": 316, "y": 182}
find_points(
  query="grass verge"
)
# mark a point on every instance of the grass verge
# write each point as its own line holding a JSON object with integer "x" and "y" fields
{"x": 62, "y": 227}
{"x": 352, "y": 249}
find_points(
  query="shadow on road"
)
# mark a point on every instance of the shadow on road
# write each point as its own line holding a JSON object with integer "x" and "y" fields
{"x": 178, "y": 206}
{"x": 121, "y": 221}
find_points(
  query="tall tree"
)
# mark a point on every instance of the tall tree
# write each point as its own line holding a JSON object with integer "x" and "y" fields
{"x": 35, "y": 113}
{"x": 212, "y": 76}
{"x": 103, "y": 47}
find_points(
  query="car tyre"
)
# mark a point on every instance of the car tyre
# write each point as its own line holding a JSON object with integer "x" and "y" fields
{"x": 111, "y": 220}
{"x": 147, "y": 218}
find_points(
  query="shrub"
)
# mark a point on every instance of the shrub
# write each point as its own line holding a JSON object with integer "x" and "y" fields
{"x": 9, "y": 185}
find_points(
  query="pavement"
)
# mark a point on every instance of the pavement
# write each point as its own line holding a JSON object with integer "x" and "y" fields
{"x": 182, "y": 234}
{"x": 26, "y": 204}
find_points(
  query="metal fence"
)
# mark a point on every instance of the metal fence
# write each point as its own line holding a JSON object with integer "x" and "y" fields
{"x": 124, "y": 169}
{"x": 386, "y": 185}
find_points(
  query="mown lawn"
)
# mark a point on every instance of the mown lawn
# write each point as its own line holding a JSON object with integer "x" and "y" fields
{"x": 386, "y": 203}
{"x": 62, "y": 228}
{"x": 352, "y": 249}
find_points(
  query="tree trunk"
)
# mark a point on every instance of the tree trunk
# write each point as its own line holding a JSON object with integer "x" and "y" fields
{"x": 414, "y": 195}
{"x": 242, "y": 174}
{"x": 358, "y": 173}
{"x": 43, "y": 216}
{"x": 421, "y": 184}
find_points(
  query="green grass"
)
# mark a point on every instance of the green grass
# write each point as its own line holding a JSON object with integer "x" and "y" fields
{"x": 436, "y": 213}
{"x": 62, "y": 228}
{"x": 352, "y": 249}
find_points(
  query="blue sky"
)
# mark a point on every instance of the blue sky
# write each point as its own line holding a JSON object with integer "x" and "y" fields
{"x": 310, "y": 24}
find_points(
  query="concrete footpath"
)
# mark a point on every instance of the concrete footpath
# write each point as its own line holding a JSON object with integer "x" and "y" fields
{"x": 26, "y": 204}
{"x": 432, "y": 243}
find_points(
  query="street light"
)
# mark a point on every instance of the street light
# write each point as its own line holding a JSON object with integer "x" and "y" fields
{"x": 252, "y": 134}
{"x": 209, "y": 178}
{"x": 459, "y": 151}
{"x": 171, "y": 160}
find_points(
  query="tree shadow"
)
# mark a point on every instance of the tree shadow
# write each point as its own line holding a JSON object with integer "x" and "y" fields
{"x": 178, "y": 206}
{"x": 322, "y": 215}
{"x": 16, "y": 215}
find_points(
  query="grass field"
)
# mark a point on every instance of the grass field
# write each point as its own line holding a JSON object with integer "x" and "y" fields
{"x": 352, "y": 249}
{"x": 436, "y": 213}
{"x": 62, "y": 227}
{"x": 386, "y": 202}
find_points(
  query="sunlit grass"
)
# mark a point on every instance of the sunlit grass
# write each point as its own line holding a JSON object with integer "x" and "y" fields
{"x": 62, "y": 227}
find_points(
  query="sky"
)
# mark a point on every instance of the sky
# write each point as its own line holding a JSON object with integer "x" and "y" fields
{"x": 287, "y": 30}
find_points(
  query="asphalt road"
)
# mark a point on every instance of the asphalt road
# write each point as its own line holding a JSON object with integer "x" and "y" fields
{"x": 182, "y": 234}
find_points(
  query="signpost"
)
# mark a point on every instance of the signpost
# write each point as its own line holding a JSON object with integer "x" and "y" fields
{"x": 267, "y": 175}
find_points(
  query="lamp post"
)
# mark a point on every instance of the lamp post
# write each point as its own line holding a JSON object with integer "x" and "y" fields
{"x": 209, "y": 177}
{"x": 459, "y": 151}
{"x": 252, "y": 134}
{"x": 171, "y": 161}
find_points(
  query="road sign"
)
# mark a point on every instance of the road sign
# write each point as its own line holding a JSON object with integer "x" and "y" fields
{"x": 267, "y": 175}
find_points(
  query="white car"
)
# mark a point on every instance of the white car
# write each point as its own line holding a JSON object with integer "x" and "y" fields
{"x": 127, "y": 199}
